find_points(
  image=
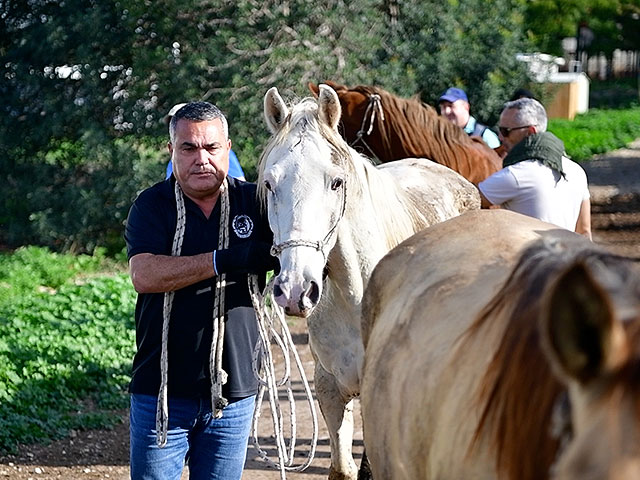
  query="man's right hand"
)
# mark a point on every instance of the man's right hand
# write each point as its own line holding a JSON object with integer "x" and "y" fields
{"x": 252, "y": 256}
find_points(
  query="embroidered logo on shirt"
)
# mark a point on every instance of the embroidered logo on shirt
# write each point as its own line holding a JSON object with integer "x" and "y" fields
{"x": 242, "y": 226}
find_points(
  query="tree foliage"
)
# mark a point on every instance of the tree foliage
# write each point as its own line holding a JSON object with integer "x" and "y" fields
{"x": 614, "y": 23}
{"x": 464, "y": 43}
{"x": 86, "y": 85}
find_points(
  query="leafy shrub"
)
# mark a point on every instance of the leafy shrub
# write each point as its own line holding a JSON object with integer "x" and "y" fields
{"x": 74, "y": 196}
{"x": 597, "y": 131}
{"x": 617, "y": 93}
{"x": 64, "y": 354}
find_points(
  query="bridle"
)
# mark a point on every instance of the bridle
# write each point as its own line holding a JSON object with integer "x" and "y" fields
{"x": 368, "y": 121}
{"x": 318, "y": 245}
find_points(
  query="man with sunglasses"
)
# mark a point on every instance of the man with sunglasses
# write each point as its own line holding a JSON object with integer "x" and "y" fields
{"x": 537, "y": 178}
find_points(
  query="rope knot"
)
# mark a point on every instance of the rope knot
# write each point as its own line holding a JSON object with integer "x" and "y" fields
{"x": 221, "y": 403}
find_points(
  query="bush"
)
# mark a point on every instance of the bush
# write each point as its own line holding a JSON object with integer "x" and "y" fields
{"x": 75, "y": 196}
{"x": 597, "y": 131}
{"x": 65, "y": 350}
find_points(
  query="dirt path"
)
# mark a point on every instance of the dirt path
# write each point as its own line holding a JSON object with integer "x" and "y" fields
{"x": 615, "y": 188}
{"x": 614, "y": 183}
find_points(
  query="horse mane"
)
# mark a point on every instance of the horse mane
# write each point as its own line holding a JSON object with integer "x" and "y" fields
{"x": 417, "y": 127}
{"x": 406, "y": 113}
{"x": 518, "y": 392}
{"x": 395, "y": 226}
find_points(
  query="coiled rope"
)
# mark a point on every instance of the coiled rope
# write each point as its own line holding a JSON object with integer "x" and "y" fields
{"x": 273, "y": 328}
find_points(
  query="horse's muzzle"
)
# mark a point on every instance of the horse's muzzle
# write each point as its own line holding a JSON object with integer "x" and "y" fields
{"x": 298, "y": 301}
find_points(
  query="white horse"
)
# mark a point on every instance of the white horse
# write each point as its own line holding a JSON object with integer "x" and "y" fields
{"x": 334, "y": 215}
{"x": 498, "y": 346}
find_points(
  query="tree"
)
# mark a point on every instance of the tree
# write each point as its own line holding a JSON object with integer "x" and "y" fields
{"x": 86, "y": 84}
{"x": 614, "y": 23}
{"x": 465, "y": 43}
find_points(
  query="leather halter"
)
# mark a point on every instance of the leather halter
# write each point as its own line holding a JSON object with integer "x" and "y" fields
{"x": 368, "y": 121}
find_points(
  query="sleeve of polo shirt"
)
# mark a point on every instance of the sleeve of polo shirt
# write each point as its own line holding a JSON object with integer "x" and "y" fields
{"x": 500, "y": 187}
{"x": 146, "y": 227}
{"x": 490, "y": 138}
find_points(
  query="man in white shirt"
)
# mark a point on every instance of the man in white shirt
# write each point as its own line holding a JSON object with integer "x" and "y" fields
{"x": 537, "y": 179}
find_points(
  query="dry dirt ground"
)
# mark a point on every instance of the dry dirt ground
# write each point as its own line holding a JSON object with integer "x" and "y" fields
{"x": 615, "y": 188}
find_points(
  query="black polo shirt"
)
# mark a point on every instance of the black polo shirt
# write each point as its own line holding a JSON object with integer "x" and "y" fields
{"x": 150, "y": 228}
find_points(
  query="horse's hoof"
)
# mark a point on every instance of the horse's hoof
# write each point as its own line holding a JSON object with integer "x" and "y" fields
{"x": 335, "y": 475}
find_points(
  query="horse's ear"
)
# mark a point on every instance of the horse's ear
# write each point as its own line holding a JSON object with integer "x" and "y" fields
{"x": 580, "y": 332}
{"x": 329, "y": 109}
{"x": 314, "y": 89}
{"x": 275, "y": 110}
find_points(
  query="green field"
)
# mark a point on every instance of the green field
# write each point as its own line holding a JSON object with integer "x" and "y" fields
{"x": 66, "y": 344}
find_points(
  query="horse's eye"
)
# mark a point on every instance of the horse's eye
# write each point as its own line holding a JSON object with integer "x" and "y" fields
{"x": 337, "y": 183}
{"x": 267, "y": 185}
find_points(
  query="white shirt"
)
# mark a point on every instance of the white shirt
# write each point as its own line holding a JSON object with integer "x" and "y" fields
{"x": 533, "y": 189}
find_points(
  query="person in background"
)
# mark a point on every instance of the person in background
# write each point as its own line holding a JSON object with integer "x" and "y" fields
{"x": 454, "y": 105}
{"x": 189, "y": 405}
{"x": 537, "y": 178}
{"x": 235, "y": 169}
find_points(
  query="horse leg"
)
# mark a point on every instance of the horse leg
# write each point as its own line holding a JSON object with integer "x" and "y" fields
{"x": 365, "y": 468}
{"x": 338, "y": 415}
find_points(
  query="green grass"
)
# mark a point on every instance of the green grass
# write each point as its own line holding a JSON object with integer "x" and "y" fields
{"x": 597, "y": 131}
{"x": 66, "y": 342}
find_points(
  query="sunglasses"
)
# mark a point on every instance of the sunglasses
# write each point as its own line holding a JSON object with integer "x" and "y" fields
{"x": 505, "y": 131}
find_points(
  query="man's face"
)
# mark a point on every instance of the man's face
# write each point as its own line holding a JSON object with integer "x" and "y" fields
{"x": 456, "y": 112}
{"x": 515, "y": 133}
{"x": 200, "y": 155}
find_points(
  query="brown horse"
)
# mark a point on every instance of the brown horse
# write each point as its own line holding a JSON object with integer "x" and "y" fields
{"x": 500, "y": 347}
{"x": 387, "y": 127}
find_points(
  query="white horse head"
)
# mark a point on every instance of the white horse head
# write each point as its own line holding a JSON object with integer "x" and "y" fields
{"x": 303, "y": 172}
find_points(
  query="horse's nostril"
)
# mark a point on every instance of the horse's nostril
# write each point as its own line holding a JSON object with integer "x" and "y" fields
{"x": 277, "y": 291}
{"x": 309, "y": 298}
{"x": 314, "y": 292}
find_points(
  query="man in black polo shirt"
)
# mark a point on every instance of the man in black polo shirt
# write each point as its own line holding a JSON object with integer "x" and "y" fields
{"x": 191, "y": 242}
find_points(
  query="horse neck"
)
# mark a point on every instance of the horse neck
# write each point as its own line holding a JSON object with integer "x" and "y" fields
{"x": 376, "y": 219}
{"x": 437, "y": 141}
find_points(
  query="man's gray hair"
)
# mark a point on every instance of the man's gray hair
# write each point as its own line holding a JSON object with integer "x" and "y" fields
{"x": 197, "y": 112}
{"x": 529, "y": 111}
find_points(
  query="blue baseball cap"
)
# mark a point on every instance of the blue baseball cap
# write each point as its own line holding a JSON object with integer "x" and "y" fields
{"x": 452, "y": 94}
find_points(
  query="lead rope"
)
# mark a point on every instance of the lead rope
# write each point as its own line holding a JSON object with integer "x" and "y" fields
{"x": 218, "y": 375}
{"x": 162, "y": 410}
{"x": 272, "y": 325}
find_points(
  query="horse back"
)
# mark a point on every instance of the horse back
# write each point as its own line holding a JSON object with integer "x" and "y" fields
{"x": 439, "y": 192}
{"x": 420, "y": 300}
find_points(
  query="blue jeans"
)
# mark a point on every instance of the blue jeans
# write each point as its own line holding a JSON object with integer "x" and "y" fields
{"x": 214, "y": 448}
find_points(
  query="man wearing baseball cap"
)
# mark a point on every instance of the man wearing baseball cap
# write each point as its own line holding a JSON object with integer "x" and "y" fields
{"x": 454, "y": 105}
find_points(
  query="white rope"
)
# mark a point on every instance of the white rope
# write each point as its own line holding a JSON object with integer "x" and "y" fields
{"x": 218, "y": 375}
{"x": 162, "y": 409}
{"x": 272, "y": 326}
